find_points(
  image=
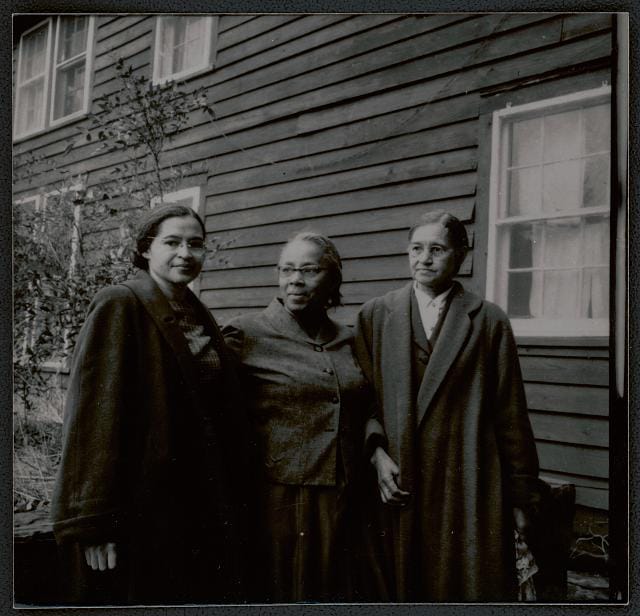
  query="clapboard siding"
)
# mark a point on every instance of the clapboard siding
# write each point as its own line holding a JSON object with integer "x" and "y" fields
{"x": 353, "y": 125}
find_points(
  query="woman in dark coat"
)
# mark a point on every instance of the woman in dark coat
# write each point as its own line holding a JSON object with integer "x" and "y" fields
{"x": 307, "y": 403}
{"x": 147, "y": 502}
{"x": 452, "y": 447}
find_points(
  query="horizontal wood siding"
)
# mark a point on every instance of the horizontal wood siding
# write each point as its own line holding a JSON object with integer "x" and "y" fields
{"x": 353, "y": 125}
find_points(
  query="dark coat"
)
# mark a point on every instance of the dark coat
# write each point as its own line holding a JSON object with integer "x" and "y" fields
{"x": 151, "y": 460}
{"x": 463, "y": 443}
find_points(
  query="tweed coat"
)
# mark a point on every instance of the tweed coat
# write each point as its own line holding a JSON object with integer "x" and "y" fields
{"x": 306, "y": 397}
{"x": 151, "y": 460}
{"x": 464, "y": 446}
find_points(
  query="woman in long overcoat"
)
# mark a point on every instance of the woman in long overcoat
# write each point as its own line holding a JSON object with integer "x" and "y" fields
{"x": 308, "y": 402}
{"x": 453, "y": 421}
{"x": 147, "y": 505}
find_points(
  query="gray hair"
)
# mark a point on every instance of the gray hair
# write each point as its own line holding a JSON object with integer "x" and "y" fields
{"x": 455, "y": 229}
{"x": 330, "y": 257}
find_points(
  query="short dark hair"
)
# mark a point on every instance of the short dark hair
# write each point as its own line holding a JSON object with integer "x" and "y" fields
{"x": 150, "y": 223}
{"x": 331, "y": 258}
{"x": 455, "y": 229}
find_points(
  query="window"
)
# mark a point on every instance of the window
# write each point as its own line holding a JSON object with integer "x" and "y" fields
{"x": 183, "y": 46}
{"x": 549, "y": 215}
{"x": 185, "y": 196}
{"x": 52, "y": 85}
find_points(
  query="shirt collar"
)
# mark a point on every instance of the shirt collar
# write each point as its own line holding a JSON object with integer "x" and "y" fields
{"x": 426, "y": 301}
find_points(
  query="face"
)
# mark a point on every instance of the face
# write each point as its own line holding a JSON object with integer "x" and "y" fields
{"x": 432, "y": 258}
{"x": 299, "y": 290}
{"x": 177, "y": 253}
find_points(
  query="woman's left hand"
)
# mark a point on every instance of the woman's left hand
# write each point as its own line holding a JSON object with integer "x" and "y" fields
{"x": 522, "y": 521}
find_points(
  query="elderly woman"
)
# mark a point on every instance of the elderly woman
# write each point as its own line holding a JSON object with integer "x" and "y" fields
{"x": 147, "y": 496}
{"x": 308, "y": 402}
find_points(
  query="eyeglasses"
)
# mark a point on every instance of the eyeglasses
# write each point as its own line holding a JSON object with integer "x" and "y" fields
{"x": 307, "y": 271}
{"x": 171, "y": 244}
{"x": 436, "y": 252}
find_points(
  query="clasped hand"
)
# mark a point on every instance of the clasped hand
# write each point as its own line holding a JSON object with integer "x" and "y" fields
{"x": 388, "y": 476}
{"x": 101, "y": 557}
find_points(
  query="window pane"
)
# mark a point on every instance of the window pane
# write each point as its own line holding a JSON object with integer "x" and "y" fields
{"x": 519, "y": 294}
{"x": 182, "y": 44}
{"x": 597, "y": 129}
{"x": 562, "y": 243}
{"x": 562, "y": 136}
{"x": 524, "y": 191}
{"x": 69, "y": 96}
{"x": 561, "y": 293}
{"x": 72, "y": 37}
{"x": 33, "y": 60}
{"x": 31, "y": 110}
{"x": 526, "y": 142}
{"x": 596, "y": 181}
{"x": 561, "y": 186}
{"x": 595, "y": 293}
{"x": 521, "y": 246}
{"x": 596, "y": 240}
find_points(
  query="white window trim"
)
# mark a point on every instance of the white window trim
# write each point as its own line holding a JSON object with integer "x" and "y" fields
{"x": 209, "y": 55}
{"x": 193, "y": 192}
{"x": 88, "y": 53}
{"x": 47, "y": 75}
{"x": 49, "y": 87}
{"x": 497, "y": 187}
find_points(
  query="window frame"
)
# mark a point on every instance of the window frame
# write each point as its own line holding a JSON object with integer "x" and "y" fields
{"x": 48, "y": 122}
{"x": 536, "y": 327}
{"x": 209, "y": 53}
{"x": 89, "y": 58}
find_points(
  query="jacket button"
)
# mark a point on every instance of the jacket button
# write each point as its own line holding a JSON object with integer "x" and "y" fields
{"x": 328, "y": 370}
{"x": 317, "y": 347}
{"x": 335, "y": 400}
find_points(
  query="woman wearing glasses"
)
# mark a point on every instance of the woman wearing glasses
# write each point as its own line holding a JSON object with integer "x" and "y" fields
{"x": 147, "y": 499}
{"x": 308, "y": 403}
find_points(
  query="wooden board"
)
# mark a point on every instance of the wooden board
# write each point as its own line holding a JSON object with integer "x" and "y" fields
{"x": 573, "y": 459}
{"x": 574, "y": 429}
{"x": 584, "y": 400}
{"x": 567, "y": 371}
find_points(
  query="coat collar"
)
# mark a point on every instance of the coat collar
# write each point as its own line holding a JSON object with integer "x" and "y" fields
{"x": 157, "y": 305}
{"x": 281, "y": 319}
{"x": 455, "y": 330}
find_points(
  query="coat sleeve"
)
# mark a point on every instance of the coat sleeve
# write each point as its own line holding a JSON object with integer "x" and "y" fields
{"x": 513, "y": 428}
{"x": 89, "y": 502}
{"x": 374, "y": 434}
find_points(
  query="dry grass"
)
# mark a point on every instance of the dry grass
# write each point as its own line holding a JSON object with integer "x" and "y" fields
{"x": 36, "y": 451}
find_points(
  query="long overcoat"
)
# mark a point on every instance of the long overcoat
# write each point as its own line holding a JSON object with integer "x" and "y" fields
{"x": 464, "y": 446}
{"x": 151, "y": 460}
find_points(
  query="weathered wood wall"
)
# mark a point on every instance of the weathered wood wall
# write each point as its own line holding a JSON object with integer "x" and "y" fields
{"x": 353, "y": 125}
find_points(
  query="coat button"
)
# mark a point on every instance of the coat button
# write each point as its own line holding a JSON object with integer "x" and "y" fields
{"x": 335, "y": 400}
{"x": 317, "y": 347}
{"x": 328, "y": 370}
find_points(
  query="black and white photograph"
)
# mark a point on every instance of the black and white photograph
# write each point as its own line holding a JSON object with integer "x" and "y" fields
{"x": 320, "y": 308}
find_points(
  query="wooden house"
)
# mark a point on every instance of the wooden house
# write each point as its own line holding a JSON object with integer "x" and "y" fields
{"x": 353, "y": 125}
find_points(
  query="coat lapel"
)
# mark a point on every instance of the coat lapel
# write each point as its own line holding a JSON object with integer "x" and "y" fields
{"x": 399, "y": 420}
{"x": 454, "y": 333}
{"x": 286, "y": 323}
{"x": 156, "y": 304}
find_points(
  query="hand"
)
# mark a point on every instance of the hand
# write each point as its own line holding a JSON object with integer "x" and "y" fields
{"x": 101, "y": 557}
{"x": 521, "y": 520}
{"x": 388, "y": 473}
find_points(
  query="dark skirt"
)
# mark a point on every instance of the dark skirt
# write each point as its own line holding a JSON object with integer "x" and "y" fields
{"x": 305, "y": 552}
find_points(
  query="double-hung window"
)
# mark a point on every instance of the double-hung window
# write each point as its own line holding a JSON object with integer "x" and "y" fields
{"x": 53, "y": 73}
{"x": 184, "y": 45}
{"x": 549, "y": 215}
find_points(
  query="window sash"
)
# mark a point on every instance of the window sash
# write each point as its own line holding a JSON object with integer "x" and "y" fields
{"x": 166, "y": 46}
{"x": 60, "y": 112}
{"x": 501, "y": 223}
{"x": 31, "y": 89}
